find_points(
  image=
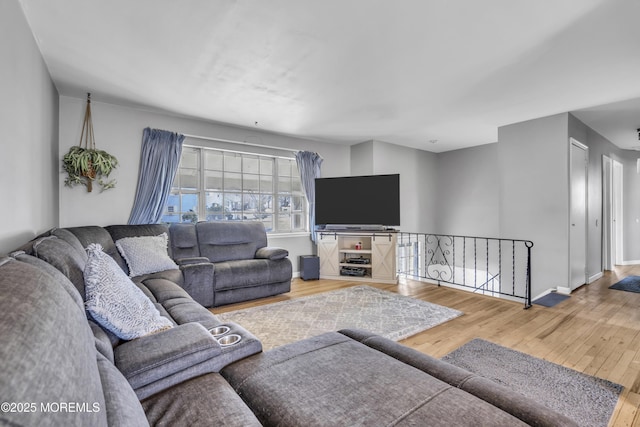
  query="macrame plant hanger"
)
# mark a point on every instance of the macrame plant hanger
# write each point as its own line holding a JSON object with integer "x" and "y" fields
{"x": 88, "y": 142}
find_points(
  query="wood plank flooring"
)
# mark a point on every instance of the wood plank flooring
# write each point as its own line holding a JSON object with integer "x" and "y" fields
{"x": 596, "y": 331}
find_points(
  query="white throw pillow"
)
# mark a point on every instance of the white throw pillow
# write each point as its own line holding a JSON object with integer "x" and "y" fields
{"x": 115, "y": 301}
{"x": 146, "y": 254}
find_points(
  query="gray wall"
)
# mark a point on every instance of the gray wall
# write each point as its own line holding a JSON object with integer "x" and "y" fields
{"x": 418, "y": 177}
{"x": 467, "y": 193}
{"x": 534, "y": 195}
{"x": 29, "y": 163}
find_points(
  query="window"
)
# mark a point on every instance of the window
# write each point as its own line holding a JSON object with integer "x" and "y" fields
{"x": 220, "y": 185}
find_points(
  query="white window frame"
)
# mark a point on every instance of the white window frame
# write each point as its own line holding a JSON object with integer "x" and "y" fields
{"x": 201, "y": 192}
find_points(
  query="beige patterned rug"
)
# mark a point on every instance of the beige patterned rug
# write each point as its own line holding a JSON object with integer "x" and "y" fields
{"x": 385, "y": 313}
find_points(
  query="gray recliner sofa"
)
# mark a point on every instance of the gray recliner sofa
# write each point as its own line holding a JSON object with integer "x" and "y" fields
{"x": 244, "y": 267}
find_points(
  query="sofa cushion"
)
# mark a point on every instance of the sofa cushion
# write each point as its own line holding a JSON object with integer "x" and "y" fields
{"x": 163, "y": 289}
{"x": 333, "y": 380}
{"x": 41, "y": 365}
{"x": 89, "y": 234}
{"x": 71, "y": 239}
{"x": 146, "y": 254}
{"x": 207, "y": 400}
{"x": 64, "y": 257}
{"x": 272, "y": 253}
{"x": 185, "y": 310}
{"x": 498, "y": 395}
{"x": 122, "y": 405}
{"x": 250, "y": 272}
{"x": 183, "y": 241}
{"x": 60, "y": 278}
{"x": 115, "y": 301}
{"x": 226, "y": 241}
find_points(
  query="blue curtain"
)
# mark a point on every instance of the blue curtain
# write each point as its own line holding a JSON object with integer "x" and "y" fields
{"x": 309, "y": 167}
{"x": 159, "y": 161}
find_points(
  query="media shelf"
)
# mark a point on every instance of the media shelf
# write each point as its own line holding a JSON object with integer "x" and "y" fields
{"x": 358, "y": 255}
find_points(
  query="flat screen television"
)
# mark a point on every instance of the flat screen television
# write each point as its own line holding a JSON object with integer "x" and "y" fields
{"x": 371, "y": 201}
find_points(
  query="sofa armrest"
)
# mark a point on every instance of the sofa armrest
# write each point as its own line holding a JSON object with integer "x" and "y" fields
{"x": 153, "y": 357}
{"x": 191, "y": 260}
{"x": 272, "y": 253}
{"x": 198, "y": 282}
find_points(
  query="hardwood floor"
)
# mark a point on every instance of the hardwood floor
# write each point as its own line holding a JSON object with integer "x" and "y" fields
{"x": 596, "y": 331}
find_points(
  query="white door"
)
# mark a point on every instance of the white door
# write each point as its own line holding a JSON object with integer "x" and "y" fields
{"x": 607, "y": 214}
{"x": 579, "y": 157}
{"x": 618, "y": 225}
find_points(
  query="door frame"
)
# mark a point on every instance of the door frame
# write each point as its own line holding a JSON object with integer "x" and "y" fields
{"x": 574, "y": 142}
{"x": 607, "y": 213}
{"x": 617, "y": 212}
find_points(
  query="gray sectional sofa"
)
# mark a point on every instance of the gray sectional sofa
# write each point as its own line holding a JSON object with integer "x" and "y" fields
{"x": 61, "y": 367}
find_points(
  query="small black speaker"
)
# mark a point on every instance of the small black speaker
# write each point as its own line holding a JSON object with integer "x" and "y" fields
{"x": 309, "y": 267}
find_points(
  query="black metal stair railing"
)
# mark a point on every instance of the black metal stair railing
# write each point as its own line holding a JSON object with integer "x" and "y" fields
{"x": 491, "y": 266}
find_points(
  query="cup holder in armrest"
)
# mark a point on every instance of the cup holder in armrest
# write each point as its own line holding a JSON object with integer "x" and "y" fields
{"x": 228, "y": 340}
{"x": 219, "y": 330}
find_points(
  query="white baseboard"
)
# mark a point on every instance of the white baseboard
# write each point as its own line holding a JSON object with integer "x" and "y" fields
{"x": 563, "y": 290}
{"x": 595, "y": 277}
{"x": 632, "y": 262}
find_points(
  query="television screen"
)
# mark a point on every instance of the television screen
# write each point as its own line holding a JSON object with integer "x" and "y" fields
{"x": 358, "y": 200}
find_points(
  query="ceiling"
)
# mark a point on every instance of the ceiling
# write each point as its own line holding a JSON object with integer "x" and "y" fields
{"x": 431, "y": 74}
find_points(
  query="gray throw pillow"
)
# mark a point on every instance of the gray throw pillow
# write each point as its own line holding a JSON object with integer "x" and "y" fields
{"x": 115, "y": 301}
{"x": 146, "y": 254}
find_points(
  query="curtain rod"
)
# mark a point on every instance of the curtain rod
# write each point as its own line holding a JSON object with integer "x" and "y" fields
{"x": 240, "y": 142}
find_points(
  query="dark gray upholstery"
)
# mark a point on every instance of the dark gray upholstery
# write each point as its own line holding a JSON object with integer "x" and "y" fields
{"x": 225, "y": 241}
{"x": 94, "y": 234}
{"x": 184, "y": 241}
{"x": 244, "y": 267}
{"x": 496, "y": 394}
{"x": 204, "y": 401}
{"x": 332, "y": 379}
{"x": 159, "y": 358}
{"x": 41, "y": 364}
{"x": 52, "y": 355}
{"x": 64, "y": 257}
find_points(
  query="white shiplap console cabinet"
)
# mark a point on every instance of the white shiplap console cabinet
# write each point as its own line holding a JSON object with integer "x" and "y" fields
{"x": 358, "y": 255}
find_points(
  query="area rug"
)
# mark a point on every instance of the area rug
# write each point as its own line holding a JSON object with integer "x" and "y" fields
{"x": 551, "y": 299}
{"x": 588, "y": 400}
{"x": 629, "y": 284}
{"x": 385, "y": 313}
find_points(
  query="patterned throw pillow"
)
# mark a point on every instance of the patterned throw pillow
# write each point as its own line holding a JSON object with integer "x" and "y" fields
{"x": 146, "y": 254}
{"x": 115, "y": 301}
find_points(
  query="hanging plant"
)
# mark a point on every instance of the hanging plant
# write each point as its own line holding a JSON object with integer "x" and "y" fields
{"x": 84, "y": 163}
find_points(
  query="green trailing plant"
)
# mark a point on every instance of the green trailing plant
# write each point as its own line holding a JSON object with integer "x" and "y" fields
{"x": 84, "y": 163}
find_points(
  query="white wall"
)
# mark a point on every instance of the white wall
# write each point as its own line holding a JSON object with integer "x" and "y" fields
{"x": 29, "y": 121}
{"x": 118, "y": 130}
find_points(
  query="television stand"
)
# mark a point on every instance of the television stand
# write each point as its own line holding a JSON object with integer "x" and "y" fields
{"x": 354, "y": 227}
{"x": 358, "y": 255}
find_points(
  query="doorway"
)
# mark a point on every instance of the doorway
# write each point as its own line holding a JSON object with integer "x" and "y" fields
{"x": 579, "y": 162}
{"x": 607, "y": 213}
{"x": 617, "y": 218}
{"x": 612, "y": 219}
